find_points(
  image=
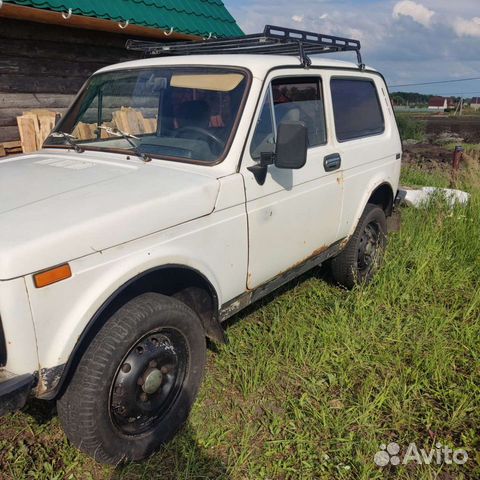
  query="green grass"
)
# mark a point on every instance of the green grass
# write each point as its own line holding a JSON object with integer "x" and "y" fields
{"x": 315, "y": 378}
{"x": 469, "y": 147}
{"x": 415, "y": 176}
{"x": 410, "y": 128}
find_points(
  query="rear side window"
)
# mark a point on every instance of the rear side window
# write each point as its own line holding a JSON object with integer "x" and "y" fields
{"x": 356, "y": 108}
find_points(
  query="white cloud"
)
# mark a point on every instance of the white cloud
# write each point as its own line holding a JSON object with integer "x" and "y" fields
{"x": 405, "y": 52}
{"x": 297, "y": 18}
{"x": 418, "y": 12}
{"x": 467, "y": 28}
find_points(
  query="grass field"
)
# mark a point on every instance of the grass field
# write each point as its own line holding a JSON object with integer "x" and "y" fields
{"x": 315, "y": 378}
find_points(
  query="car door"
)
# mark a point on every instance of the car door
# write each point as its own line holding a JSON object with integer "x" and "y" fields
{"x": 366, "y": 137}
{"x": 295, "y": 213}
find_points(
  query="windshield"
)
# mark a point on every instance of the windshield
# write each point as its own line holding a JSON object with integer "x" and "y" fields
{"x": 178, "y": 113}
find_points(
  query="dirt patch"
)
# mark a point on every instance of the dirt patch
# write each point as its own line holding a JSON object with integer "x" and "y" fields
{"x": 426, "y": 152}
{"x": 467, "y": 128}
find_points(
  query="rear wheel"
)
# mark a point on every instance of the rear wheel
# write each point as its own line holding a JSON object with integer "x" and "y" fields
{"x": 361, "y": 258}
{"x": 137, "y": 381}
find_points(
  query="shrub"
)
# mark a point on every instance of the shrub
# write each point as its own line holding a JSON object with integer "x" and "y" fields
{"x": 410, "y": 128}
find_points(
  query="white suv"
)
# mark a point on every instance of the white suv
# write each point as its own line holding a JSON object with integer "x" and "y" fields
{"x": 175, "y": 192}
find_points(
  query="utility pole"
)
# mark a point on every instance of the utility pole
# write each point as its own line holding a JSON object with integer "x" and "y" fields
{"x": 456, "y": 109}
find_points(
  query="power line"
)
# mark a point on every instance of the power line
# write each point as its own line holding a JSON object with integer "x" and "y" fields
{"x": 434, "y": 83}
{"x": 441, "y": 93}
{"x": 457, "y": 93}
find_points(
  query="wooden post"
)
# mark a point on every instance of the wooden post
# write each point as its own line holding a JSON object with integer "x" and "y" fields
{"x": 457, "y": 157}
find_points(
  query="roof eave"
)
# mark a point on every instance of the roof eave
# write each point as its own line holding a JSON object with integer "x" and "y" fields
{"x": 18, "y": 12}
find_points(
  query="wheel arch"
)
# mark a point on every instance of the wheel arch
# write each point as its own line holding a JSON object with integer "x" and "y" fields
{"x": 383, "y": 196}
{"x": 182, "y": 282}
{"x": 380, "y": 193}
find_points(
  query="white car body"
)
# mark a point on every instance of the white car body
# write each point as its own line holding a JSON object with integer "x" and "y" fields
{"x": 112, "y": 219}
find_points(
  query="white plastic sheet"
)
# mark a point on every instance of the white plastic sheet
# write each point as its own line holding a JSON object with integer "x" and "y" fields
{"x": 421, "y": 196}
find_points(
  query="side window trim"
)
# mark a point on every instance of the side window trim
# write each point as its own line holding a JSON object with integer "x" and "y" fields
{"x": 272, "y": 112}
{"x": 320, "y": 85}
{"x": 265, "y": 97}
{"x": 361, "y": 79}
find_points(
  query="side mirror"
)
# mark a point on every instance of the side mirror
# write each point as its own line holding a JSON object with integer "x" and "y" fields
{"x": 290, "y": 153}
{"x": 292, "y": 145}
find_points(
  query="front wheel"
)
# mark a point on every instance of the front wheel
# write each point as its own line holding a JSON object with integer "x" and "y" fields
{"x": 360, "y": 259}
{"x": 137, "y": 381}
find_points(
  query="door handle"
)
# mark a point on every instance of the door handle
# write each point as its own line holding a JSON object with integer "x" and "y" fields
{"x": 332, "y": 162}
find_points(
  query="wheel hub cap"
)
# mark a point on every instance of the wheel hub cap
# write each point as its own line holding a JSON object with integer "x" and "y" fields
{"x": 153, "y": 381}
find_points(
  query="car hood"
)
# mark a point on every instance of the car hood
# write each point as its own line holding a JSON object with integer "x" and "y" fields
{"x": 57, "y": 207}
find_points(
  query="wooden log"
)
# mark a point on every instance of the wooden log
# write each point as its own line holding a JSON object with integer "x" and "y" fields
{"x": 12, "y": 145}
{"x": 26, "y": 101}
{"x": 43, "y": 121}
{"x": 60, "y": 83}
{"x": 27, "y": 127}
{"x": 10, "y": 120}
{"x": 49, "y": 50}
{"x": 130, "y": 121}
{"x": 103, "y": 133}
{"x": 91, "y": 115}
{"x": 85, "y": 131}
{"x": 11, "y": 148}
{"x": 36, "y": 125}
{"x": 47, "y": 122}
{"x": 9, "y": 133}
{"x": 26, "y": 65}
{"x": 140, "y": 121}
{"x": 120, "y": 120}
{"x": 24, "y": 30}
{"x": 40, "y": 111}
{"x": 135, "y": 121}
{"x": 150, "y": 125}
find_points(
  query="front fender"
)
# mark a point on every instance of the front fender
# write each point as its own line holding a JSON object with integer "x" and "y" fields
{"x": 78, "y": 299}
{"x": 61, "y": 311}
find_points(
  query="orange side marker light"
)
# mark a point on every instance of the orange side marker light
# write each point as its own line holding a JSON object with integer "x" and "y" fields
{"x": 53, "y": 275}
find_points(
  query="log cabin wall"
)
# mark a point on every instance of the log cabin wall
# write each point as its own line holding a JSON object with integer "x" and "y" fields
{"x": 44, "y": 66}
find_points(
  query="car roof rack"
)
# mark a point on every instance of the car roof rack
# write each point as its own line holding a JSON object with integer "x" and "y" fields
{"x": 274, "y": 40}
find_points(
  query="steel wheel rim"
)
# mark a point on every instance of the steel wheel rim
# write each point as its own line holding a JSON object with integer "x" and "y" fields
{"x": 368, "y": 248}
{"x": 148, "y": 381}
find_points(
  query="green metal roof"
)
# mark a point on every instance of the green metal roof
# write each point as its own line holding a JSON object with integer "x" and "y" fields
{"x": 196, "y": 17}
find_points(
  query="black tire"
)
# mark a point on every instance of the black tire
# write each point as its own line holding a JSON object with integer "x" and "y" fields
{"x": 137, "y": 380}
{"x": 363, "y": 254}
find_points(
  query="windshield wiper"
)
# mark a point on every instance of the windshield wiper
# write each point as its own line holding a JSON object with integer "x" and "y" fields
{"x": 70, "y": 140}
{"x": 128, "y": 137}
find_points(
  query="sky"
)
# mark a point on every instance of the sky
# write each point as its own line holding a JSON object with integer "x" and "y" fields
{"x": 408, "y": 41}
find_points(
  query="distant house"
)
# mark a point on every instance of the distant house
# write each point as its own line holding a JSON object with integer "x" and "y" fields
{"x": 475, "y": 103}
{"x": 440, "y": 103}
{"x": 437, "y": 103}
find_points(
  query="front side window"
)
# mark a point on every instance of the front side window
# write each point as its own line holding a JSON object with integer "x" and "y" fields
{"x": 184, "y": 113}
{"x": 292, "y": 99}
{"x": 356, "y": 108}
{"x": 263, "y": 140}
